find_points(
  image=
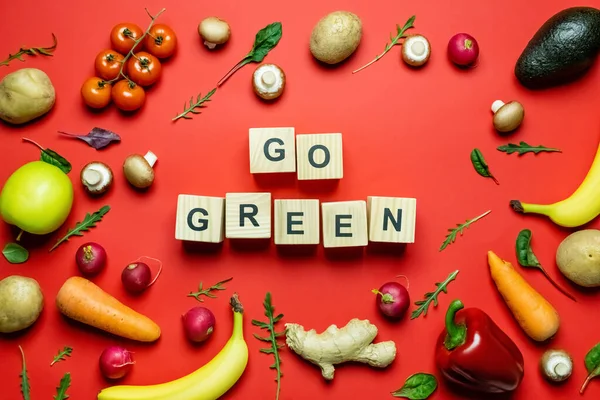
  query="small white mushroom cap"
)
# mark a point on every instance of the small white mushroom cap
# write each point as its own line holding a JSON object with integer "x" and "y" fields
{"x": 556, "y": 365}
{"x": 96, "y": 177}
{"x": 138, "y": 170}
{"x": 214, "y": 31}
{"x": 416, "y": 50}
{"x": 268, "y": 81}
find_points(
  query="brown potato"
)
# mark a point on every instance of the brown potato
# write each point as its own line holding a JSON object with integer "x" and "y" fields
{"x": 578, "y": 257}
{"x": 335, "y": 37}
{"x": 21, "y": 303}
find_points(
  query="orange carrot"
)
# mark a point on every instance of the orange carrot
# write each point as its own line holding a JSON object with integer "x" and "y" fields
{"x": 83, "y": 301}
{"x": 533, "y": 312}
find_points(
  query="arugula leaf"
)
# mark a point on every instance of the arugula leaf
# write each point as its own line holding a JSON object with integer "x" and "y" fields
{"x": 51, "y": 157}
{"x": 451, "y": 237}
{"x": 25, "y": 387}
{"x": 207, "y": 292}
{"x": 481, "y": 165}
{"x": 65, "y": 352}
{"x": 523, "y": 148}
{"x": 15, "y": 253}
{"x": 88, "y": 222}
{"x": 592, "y": 364}
{"x": 417, "y": 387}
{"x": 432, "y": 296}
{"x": 61, "y": 390}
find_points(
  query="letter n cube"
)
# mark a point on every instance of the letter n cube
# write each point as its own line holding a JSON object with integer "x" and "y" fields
{"x": 391, "y": 219}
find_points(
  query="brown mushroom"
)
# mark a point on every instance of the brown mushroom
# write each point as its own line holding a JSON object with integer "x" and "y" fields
{"x": 214, "y": 31}
{"x": 268, "y": 81}
{"x": 96, "y": 177}
{"x": 138, "y": 170}
{"x": 416, "y": 50}
{"x": 507, "y": 117}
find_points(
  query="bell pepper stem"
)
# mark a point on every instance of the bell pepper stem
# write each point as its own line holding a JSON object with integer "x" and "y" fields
{"x": 456, "y": 333}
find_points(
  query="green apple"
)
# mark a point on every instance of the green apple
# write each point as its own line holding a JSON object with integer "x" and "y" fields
{"x": 37, "y": 198}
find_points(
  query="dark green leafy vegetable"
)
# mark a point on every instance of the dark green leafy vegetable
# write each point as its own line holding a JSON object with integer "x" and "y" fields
{"x": 65, "y": 352}
{"x": 481, "y": 165}
{"x": 432, "y": 296}
{"x": 25, "y": 388}
{"x": 31, "y": 51}
{"x": 51, "y": 157}
{"x": 592, "y": 364}
{"x": 266, "y": 39}
{"x": 526, "y": 258}
{"x": 88, "y": 222}
{"x": 61, "y": 390}
{"x": 97, "y": 138}
{"x": 272, "y": 338}
{"x": 417, "y": 387}
{"x": 191, "y": 109}
{"x": 207, "y": 292}
{"x": 15, "y": 253}
{"x": 523, "y": 148}
{"x": 451, "y": 237}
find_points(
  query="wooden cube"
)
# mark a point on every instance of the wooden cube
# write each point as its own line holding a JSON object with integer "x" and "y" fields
{"x": 248, "y": 215}
{"x": 272, "y": 150}
{"x": 345, "y": 224}
{"x": 297, "y": 222}
{"x": 391, "y": 219}
{"x": 200, "y": 218}
{"x": 319, "y": 156}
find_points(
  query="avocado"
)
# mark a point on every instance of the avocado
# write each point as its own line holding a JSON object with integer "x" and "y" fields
{"x": 562, "y": 50}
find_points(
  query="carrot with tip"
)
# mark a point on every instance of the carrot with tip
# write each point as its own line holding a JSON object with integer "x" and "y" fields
{"x": 536, "y": 316}
{"x": 83, "y": 301}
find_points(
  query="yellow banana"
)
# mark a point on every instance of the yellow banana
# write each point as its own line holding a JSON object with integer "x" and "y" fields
{"x": 207, "y": 383}
{"x": 576, "y": 210}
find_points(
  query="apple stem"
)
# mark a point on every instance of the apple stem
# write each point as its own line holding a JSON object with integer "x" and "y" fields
{"x": 19, "y": 235}
{"x": 31, "y": 141}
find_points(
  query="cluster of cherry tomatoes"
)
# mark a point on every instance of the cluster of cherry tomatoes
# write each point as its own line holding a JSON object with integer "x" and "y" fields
{"x": 122, "y": 74}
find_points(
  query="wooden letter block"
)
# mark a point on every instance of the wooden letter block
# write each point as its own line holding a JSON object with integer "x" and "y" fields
{"x": 200, "y": 218}
{"x": 319, "y": 156}
{"x": 297, "y": 222}
{"x": 345, "y": 224}
{"x": 391, "y": 219}
{"x": 272, "y": 150}
{"x": 248, "y": 215}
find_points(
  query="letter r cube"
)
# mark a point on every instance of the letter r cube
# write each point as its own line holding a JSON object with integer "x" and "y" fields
{"x": 272, "y": 150}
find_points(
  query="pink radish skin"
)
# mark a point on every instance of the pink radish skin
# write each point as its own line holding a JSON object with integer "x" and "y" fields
{"x": 392, "y": 300}
{"x": 198, "y": 324}
{"x": 90, "y": 258}
{"x": 137, "y": 277}
{"x": 115, "y": 362}
{"x": 463, "y": 49}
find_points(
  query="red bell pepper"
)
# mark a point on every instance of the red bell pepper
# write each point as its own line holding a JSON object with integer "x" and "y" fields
{"x": 475, "y": 354}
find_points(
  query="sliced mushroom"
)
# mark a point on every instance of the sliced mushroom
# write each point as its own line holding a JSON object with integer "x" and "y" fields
{"x": 416, "y": 50}
{"x": 214, "y": 31}
{"x": 138, "y": 170}
{"x": 507, "y": 117}
{"x": 268, "y": 81}
{"x": 96, "y": 177}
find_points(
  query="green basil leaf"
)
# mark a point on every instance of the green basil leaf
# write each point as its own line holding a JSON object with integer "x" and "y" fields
{"x": 15, "y": 253}
{"x": 417, "y": 387}
{"x": 266, "y": 39}
{"x": 525, "y": 254}
{"x": 52, "y": 157}
{"x": 592, "y": 360}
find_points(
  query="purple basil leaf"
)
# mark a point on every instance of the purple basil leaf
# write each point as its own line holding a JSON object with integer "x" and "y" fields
{"x": 97, "y": 138}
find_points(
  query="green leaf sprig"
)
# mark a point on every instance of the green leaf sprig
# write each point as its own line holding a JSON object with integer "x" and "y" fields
{"x": 526, "y": 258}
{"x": 394, "y": 41}
{"x": 88, "y": 222}
{"x": 592, "y": 364}
{"x": 523, "y": 148}
{"x": 65, "y": 352}
{"x": 266, "y": 39}
{"x": 25, "y": 387}
{"x": 453, "y": 232}
{"x": 51, "y": 157}
{"x": 432, "y": 296}
{"x": 31, "y": 51}
{"x": 15, "y": 253}
{"x": 272, "y": 338}
{"x": 194, "y": 105}
{"x": 417, "y": 387}
{"x": 61, "y": 390}
{"x": 481, "y": 165}
{"x": 207, "y": 292}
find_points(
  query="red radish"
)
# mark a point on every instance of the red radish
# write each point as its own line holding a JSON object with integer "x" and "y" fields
{"x": 137, "y": 276}
{"x": 90, "y": 258}
{"x": 198, "y": 324}
{"x": 392, "y": 300}
{"x": 115, "y": 362}
{"x": 463, "y": 49}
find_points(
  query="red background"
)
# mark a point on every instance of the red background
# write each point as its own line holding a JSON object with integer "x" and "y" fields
{"x": 406, "y": 133}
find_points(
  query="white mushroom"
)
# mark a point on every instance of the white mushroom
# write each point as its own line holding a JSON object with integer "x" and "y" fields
{"x": 138, "y": 170}
{"x": 214, "y": 31}
{"x": 507, "y": 117}
{"x": 416, "y": 50}
{"x": 268, "y": 81}
{"x": 96, "y": 177}
{"x": 556, "y": 365}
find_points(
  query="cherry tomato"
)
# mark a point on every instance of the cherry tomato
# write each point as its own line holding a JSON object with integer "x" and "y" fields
{"x": 128, "y": 96}
{"x": 161, "y": 41}
{"x": 96, "y": 92}
{"x": 108, "y": 64}
{"x": 143, "y": 68}
{"x": 124, "y": 35}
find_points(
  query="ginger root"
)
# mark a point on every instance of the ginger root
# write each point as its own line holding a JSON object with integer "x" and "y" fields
{"x": 335, "y": 346}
